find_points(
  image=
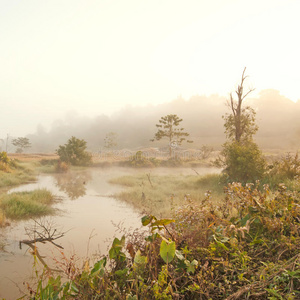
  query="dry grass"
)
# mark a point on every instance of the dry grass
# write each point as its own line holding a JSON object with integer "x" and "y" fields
{"x": 3, "y": 220}
{"x": 29, "y": 157}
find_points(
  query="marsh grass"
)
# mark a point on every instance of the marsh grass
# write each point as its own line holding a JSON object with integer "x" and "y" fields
{"x": 15, "y": 177}
{"x": 24, "y": 205}
{"x": 25, "y": 171}
{"x": 19, "y": 173}
{"x": 160, "y": 195}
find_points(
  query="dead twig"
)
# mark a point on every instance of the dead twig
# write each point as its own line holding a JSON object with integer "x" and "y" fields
{"x": 149, "y": 179}
{"x": 41, "y": 232}
{"x": 41, "y": 240}
{"x": 196, "y": 172}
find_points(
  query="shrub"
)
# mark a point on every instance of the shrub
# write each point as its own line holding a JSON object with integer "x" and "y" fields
{"x": 206, "y": 151}
{"x": 4, "y": 162}
{"x": 286, "y": 167}
{"x": 243, "y": 162}
{"x": 45, "y": 162}
{"x": 61, "y": 167}
{"x": 74, "y": 152}
{"x": 140, "y": 160}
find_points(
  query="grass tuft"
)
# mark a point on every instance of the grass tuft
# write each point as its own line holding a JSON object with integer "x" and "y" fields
{"x": 24, "y": 205}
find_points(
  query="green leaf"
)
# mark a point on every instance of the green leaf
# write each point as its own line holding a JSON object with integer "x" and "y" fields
{"x": 243, "y": 221}
{"x": 220, "y": 244}
{"x": 74, "y": 288}
{"x": 98, "y": 267}
{"x": 147, "y": 219}
{"x": 190, "y": 266}
{"x": 66, "y": 287}
{"x": 140, "y": 260}
{"x": 163, "y": 222}
{"x": 121, "y": 272}
{"x": 167, "y": 251}
{"x": 179, "y": 255}
{"x": 152, "y": 237}
{"x": 116, "y": 248}
{"x": 274, "y": 293}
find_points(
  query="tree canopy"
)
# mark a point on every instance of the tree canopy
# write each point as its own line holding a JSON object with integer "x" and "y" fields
{"x": 21, "y": 143}
{"x": 110, "y": 140}
{"x": 168, "y": 128}
{"x": 74, "y": 152}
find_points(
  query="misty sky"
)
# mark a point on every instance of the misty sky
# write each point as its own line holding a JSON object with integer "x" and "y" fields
{"x": 62, "y": 57}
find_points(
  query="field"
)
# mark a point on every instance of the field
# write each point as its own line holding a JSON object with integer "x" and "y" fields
{"x": 29, "y": 157}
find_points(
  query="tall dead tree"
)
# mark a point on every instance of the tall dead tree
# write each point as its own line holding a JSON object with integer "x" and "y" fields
{"x": 242, "y": 159}
{"x": 241, "y": 123}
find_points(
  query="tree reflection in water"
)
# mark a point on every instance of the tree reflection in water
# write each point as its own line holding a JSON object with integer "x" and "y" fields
{"x": 73, "y": 183}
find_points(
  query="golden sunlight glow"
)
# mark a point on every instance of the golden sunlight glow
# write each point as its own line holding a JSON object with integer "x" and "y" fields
{"x": 94, "y": 57}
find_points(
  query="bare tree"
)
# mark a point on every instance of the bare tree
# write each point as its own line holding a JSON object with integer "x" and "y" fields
{"x": 243, "y": 160}
{"x": 241, "y": 123}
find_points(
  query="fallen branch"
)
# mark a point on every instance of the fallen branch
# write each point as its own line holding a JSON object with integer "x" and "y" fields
{"x": 42, "y": 232}
{"x": 41, "y": 259}
{"x": 41, "y": 240}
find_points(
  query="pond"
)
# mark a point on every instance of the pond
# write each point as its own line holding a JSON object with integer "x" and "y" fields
{"x": 86, "y": 212}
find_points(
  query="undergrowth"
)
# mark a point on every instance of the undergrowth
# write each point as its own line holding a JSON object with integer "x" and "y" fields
{"x": 244, "y": 248}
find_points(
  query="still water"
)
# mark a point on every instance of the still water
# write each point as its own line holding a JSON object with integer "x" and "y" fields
{"x": 86, "y": 212}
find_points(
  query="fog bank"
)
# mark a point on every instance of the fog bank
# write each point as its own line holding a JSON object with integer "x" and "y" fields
{"x": 277, "y": 117}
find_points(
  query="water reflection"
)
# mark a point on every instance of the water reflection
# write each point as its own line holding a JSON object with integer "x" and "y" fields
{"x": 73, "y": 183}
{"x": 86, "y": 222}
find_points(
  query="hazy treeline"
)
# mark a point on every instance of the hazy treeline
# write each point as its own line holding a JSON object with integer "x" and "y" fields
{"x": 277, "y": 117}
